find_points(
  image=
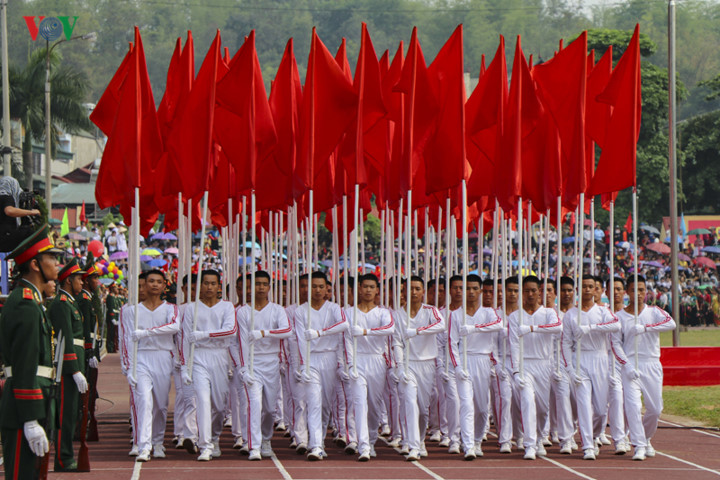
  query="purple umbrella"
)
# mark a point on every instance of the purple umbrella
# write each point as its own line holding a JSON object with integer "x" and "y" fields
{"x": 683, "y": 257}
{"x": 145, "y": 258}
{"x": 654, "y": 264}
{"x": 118, "y": 255}
{"x": 169, "y": 236}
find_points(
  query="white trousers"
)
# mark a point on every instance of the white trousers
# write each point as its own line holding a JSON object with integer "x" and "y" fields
{"x": 393, "y": 406}
{"x": 343, "y": 414}
{"x": 502, "y": 405}
{"x": 151, "y": 396}
{"x": 452, "y": 407}
{"x": 474, "y": 395}
{"x": 649, "y": 386}
{"x": 616, "y": 412}
{"x": 367, "y": 399}
{"x": 591, "y": 396}
{"x": 562, "y": 394}
{"x": 238, "y": 404}
{"x": 318, "y": 396}
{"x": 416, "y": 392}
{"x": 299, "y": 412}
{"x": 211, "y": 386}
{"x": 261, "y": 399}
{"x": 534, "y": 399}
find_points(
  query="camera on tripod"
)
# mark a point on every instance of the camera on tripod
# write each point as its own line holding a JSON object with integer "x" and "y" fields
{"x": 28, "y": 201}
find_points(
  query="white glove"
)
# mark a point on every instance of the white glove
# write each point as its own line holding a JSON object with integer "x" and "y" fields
{"x": 403, "y": 377}
{"x": 358, "y": 331}
{"x": 132, "y": 381}
{"x": 639, "y": 329}
{"x": 197, "y": 336}
{"x": 393, "y": 374}
{"x": 302, "y": 376}
{"x": 115, "y": 322}
{"x": 353, "y": 373}
{"x": 462, "y": 374}
{"x": 520, "y": 380}
{"x": 93, "y": 362}
{"x": 80, "y": 381}
{"x": 466, "y": 330}
{"x": 630, "y": 371}
{"x": 342, "y": 374}
{"x": 501, "y": 372}
{"x": 255, "y": 335}
{"x": 444, "y": 375}
{"x": 557, "y": 376}
{"x": 574, "y": 377}
{"x": 36, "y": 438}
{"x": 283, "y": 368}
{"x": 312, "y": 334}
{"x": 185, "y": 374}
{"x": 410, "y": 332}
{"x": 136, "y": 335}
{"x": 248, "y": 379}
{"x": 524, "y": 330}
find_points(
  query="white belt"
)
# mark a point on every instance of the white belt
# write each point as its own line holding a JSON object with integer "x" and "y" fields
{"x": 79, "y": 342}
{"x": 42, "y": 371}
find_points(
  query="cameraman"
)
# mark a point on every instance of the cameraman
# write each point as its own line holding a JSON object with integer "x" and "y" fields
{"x": 11, "y": 232}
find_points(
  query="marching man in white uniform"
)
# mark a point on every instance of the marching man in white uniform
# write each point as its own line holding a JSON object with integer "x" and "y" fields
{"x": 637, "y": 349}
{"x": 262, "y": 382}
{"x": 471, "y": 343}
{"x": 150, "y": 373}
{"x": 415, "y": 351}
{"x": 534, "y": 330}
{"x": 320, "y": 336}
{"x": 585, "y": 340}
{"x": 371, "y": 326}
{"x": 206, "y": 338}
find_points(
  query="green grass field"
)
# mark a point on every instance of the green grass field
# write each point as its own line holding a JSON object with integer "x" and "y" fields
{"x": 695, "y": 337}
{"x": 699, "y": 403}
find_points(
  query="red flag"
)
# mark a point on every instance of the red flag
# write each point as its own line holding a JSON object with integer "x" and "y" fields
{"x": 598, "y": 113}
{"x": 105, "y": 112}
{"x": 562, "y": 85}
{"x": 445, "y": 158}
{"x": 485, "y": 112}
{"x": 617, "y": 166}
{"x": 328, "y": 107}
{"x": 244, "y": 125}
{"x": 628, "y": 223}
{"x": 191, "y": 138}
{"x": 83, "y": 217}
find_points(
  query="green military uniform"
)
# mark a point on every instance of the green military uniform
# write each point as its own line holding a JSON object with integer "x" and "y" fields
{"x": 66, "y": 318}
{"x": 112, "y": 304}
{"x": 26, "y": 351}
{"x": 89, "y": 319}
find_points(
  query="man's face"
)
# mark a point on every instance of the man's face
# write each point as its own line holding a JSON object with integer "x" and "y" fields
{"x": 368, "y": 291}
{"x": 417, "y": 291}
{"x": 319, "y": 289}
{"x": 550, "y": 295}
{"x": 75, "y": 284}
{"x": 587, "y": 290}
{"x": 641, "y": 291}
{"x": 49, "y": 289}
{"x": 93, "y": 282}
{"x": 262, "y": 287}
{"x": 154, "y": 285}
{"x": 48, "y": 264}
{"x": 598, "y": 292}
{"x": 512, "y": 291}
{"x": 487, "y": 295}
{"x": 567, "y": 294}
{"x": 531, "y": 295}
{"x": 441, "y": 295}
{"x": 239, "y": 290}
{"x": 303, "y": 286}
{"x": 618, "y": 292}
{"x": 209, "y": 287}
{"x": 456, "y": 292}
{"x": 473, "y": 292}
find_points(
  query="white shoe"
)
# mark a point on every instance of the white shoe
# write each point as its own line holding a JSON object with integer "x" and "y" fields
{"x": 340, "y": 441}
{"x": 445, "y": 442}
{"x": 158, "y": 451}
{"x": 540, "y": 450}
{"x": 175, "y": 439}
{"x": 238, "y": 443}
{"x": 351, "y": 448}
{"x": 413, "y": 455}
{"x": 255, "y": 455}
{"x": 216, "y": 449}
{"x": 573, "y": 444}
{"x": 554, "y": 438}
{"x": 315, "y": 454}
{"x": 373, "y": 453}
{"x": 394, "y": 443}
{"x": 364, "y": 456}
{"x": 454, "y": 448}
{"x": 404, "y": 450}
{"x": 134, "y": 452}
{"x": 639, "y": 454}
{"x": 301, "y": 449}
{"x": 470, "y": 454}
{"x": 506, "y": 448}
{"x": 179, "y": 444}
{"x": 649, "y": 450}
{"x": 205, "y": 455}
{"x": 144, "y": 456}
{"x": 603, "y": 439}
{"x": 546, "y": 442}
{"x": 620, "y": 448}
{"x": 566, "y": 448}
{"x": 245, "y": 450}
{"x": 266, "y": 449}
{"x": 323, "y": 452}
{"x": 293, "y": 444}
{"x": 423, "y": 450}
{"x": 589, "y": 454}
{"x": 530, "y": 454}
{"x": 280, "y": 427}
{"x": 436, "y": 436}
{"x": 228, "y": 422}
{"x": 385, "y": 431}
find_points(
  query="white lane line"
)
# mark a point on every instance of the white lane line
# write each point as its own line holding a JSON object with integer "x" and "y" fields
{"x": 279, "y": 465}
{"x": 688, "y": 463}
{"x": 417, "y": 464}
{"x": 136, "y": 471}
{"x": 692, "y": 430}
{"x": 564, "y": 467}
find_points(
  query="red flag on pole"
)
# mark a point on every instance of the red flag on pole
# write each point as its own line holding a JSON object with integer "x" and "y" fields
{"x": 83, "y": 217}
{"x": 628, "y": 223}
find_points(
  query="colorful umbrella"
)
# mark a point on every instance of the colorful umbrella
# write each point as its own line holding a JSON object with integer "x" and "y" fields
{"x": 659, "y": 248}
{"x": 698, "y": 231}
{"x": 683, "y": 257}
{"x": 118, "y": 255}
{"x": 705, "y": 262}
{"x": 171, "y": 251}
{"x": 151, "y": 252}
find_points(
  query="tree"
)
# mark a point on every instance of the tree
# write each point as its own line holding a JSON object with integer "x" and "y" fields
{"x": 27, "y": 103}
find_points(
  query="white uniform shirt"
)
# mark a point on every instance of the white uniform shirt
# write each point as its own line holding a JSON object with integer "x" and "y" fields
{"x": 219, "y": 320}
{"x": 329, "y": 319}
{"x": 164, "y": 322}
{"x": 602, "y": 322}
{"x": 538, "y": 344}
{"x": 273, "y": 320}
{"x": 482, "y": 341}
{"x": 655, "y": 321}
{"x": 378, "y": 323}
{"x": 428, "y": 322}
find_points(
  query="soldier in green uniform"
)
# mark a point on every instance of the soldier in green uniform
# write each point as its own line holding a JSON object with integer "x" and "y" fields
{"x": 66, "y": 318}
{"x": 26, "y": 349}
{"x": 112, "y": 304}
{"x": 90, "y": 282}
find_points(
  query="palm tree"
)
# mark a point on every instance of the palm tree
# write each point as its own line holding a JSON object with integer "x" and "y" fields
{"x": 27, "y": 103}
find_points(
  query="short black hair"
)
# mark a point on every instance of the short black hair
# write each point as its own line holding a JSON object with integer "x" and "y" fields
{"x": 430, "y": 283}
{"x": 565, "y": 280}
{"x": 319, "y": 275}
{"x": 240, "y": 279}
{"x": 350, "y": 281}
{"x": 154, "y": 271}
{"x": 532, "y": 279}
{"x": 262, "y": 274}
{"x": 474, "y": 278}
{"x": 193, "y": 279}
{"x": 369, "y": 277}
{"x": 417, "y": 278}
{"x": 456, "y": 278}
{"x": 488, "y": 282}
{"x": 513, "y": 280}
{"x": 207, "y": 272}
{"x": 143, "y": 276}
{"x": 631, "y": 280}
